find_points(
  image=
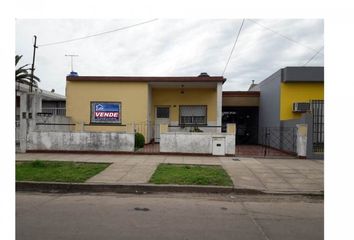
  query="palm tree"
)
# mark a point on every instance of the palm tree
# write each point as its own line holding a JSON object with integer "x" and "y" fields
{"x": 23, "y": 74}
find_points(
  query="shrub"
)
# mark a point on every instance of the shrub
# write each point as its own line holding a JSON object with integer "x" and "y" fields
{"x": 195, "y": 129}
{"x": 139, "y": 140}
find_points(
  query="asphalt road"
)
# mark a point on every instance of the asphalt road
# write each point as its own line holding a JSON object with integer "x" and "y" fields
{"x": 167, "y": 216}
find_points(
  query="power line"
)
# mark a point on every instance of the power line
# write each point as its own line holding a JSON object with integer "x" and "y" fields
{"x": 314, "y": 56}
{"x": 98, "y": 34}
{"x": 290, "y": 39}
{"x": 238, "y": 34}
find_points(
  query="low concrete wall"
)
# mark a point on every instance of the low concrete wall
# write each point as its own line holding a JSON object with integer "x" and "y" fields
{"x": 194, "y": 142}
{"x": 80, "y": 141}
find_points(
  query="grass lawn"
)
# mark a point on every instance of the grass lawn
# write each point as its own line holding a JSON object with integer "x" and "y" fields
{"x": 190, "y": 175}
{"x": 51, "y": 171}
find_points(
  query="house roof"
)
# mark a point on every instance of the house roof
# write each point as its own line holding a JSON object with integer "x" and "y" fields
{"x": 52, "y": 96}
{"x": 46, "y": 95}
{"x": 147, "y": 79}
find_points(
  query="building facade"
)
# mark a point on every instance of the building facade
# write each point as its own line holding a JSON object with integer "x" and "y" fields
{"x": 111, "y": 104}
{"x": 29, "y": 106}
{"x": 267, "y": 114}
{"x": 241, "y": 108}
{"x": 291, "y": 96}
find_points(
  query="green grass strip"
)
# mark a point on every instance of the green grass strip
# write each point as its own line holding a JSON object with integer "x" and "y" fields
{"x": 55, "y": 171}
{"x": 190, "y": 175}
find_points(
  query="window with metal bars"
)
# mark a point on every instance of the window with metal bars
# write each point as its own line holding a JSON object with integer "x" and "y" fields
{"x": 317, "y": 108}
{"x": 193, "y": 115}
{"x": 162, "y": 112}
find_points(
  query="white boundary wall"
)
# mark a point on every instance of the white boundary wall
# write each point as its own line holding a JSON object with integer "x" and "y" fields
{"x": 194, "y": 142}
{"x": 81, "y": 141}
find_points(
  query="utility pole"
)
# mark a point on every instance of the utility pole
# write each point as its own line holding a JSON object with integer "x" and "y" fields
{"x": 71, "y": 56}
{"x": 34, "y": 57}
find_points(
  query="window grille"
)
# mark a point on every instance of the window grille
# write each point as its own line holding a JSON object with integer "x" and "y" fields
{"x": 193, "y": 115}
{"x": 163, "y": 112}
{"x": 317, "y": 107}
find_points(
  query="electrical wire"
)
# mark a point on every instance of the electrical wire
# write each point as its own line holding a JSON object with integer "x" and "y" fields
{"x": 289, "y": 39}
{"x": 238, "y": 34}
{"x": 314, "y": 56}
{"x": 95, "y": 35}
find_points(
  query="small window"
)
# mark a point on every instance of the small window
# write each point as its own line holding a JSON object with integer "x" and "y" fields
{"x": 18, "y": 101}
{"x": 193, "y": 115}
{"x": 162, "y": 112}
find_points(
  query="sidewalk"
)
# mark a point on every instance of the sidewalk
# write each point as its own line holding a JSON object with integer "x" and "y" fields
{"x": 271, "y": 175}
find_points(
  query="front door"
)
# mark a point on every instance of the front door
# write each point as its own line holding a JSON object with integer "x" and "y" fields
{"x": 162, "y": 116}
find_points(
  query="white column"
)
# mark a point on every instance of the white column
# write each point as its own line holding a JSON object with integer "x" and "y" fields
{"x": 23, "y": 122}
{"x": 35, "y": 106}
{"x": 149, "y": 120}
{"x": 219, "y": 105}
{"x": 301, "y": 140}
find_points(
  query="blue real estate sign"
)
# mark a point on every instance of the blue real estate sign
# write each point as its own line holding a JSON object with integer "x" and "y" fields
{"x": 106, "y": 112}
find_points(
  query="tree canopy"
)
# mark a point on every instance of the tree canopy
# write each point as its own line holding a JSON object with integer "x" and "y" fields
{"x": 23, "y": 74}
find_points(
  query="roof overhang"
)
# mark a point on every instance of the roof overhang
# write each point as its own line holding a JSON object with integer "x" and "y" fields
{"x": 303, "y": 74}
{"x": 147, "y": 79}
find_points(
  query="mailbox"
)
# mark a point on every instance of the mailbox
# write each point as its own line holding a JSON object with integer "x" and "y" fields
{"x": 219, "y": 146}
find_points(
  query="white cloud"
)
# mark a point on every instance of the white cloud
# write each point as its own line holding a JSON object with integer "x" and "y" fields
{"x": 168, "y": 48}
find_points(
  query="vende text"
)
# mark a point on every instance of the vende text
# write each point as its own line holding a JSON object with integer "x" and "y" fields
{"x": 106, "y": 114}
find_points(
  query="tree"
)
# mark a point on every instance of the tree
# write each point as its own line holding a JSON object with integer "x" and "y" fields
{"x": 23, "y": 74}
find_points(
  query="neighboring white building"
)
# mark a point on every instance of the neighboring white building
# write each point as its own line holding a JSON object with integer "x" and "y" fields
{"x": 28, "y": 104}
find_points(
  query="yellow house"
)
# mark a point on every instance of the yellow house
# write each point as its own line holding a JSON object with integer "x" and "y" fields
{"x": 143, "y": 103}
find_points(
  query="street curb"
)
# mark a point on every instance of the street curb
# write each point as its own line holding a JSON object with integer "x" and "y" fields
{"x": 56, "y": 187}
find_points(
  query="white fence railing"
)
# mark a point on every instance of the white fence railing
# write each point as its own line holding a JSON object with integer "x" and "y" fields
{"x": 55, "y": 111}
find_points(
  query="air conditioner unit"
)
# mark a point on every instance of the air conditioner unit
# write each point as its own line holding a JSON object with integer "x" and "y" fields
{"x": 301, "y": 107}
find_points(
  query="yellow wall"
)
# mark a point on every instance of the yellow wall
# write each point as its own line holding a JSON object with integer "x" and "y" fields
{"x": 298, "y": 92}
{"x": 133, "y": 98}
{"x": 192, "y": 96}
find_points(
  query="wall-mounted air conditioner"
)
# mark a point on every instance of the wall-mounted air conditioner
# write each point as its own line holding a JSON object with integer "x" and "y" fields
{"x": 301, "y": 107}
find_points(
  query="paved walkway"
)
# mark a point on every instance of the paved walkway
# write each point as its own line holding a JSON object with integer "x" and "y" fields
{"x": 252, "y": 173}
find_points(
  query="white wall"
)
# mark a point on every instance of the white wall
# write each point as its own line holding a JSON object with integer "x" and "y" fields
{"x": 193, "y": 142}
{"x": 80, "y": 141}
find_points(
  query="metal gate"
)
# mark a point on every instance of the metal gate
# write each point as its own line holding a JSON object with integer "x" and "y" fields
{"x": 317, "y": 108}
{"x": 279, "y": 139}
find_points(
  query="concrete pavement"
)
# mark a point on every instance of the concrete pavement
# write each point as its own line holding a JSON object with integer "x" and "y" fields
{"x": 272, "y": 175}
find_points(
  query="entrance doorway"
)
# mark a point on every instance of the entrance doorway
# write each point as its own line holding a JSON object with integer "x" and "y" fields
{"x": 162, "y": 116}
{"x": 246, "y": 119}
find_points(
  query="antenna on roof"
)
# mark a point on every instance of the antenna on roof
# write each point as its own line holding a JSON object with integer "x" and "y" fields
{"x": 72, "y": 73}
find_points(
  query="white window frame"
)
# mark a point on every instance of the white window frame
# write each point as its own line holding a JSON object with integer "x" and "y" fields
{"x": 193, "y": 119}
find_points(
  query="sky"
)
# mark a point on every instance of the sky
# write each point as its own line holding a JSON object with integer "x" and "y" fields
{"x": 169, "y": 47}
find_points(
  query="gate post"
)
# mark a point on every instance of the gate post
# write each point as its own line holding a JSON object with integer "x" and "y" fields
{"x": 231, "y": 128}
{"x": 23, "y": 122}
{"x": 301, "y": 140}
{"x": 266, "y": 139}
